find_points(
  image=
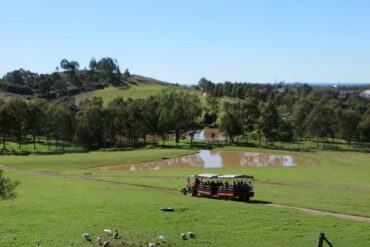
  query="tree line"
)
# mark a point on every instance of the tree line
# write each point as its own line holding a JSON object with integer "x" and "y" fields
{"x": 67, "y": 80}
{"x": 123, "y": 121}
{"x": 280, "y": 113}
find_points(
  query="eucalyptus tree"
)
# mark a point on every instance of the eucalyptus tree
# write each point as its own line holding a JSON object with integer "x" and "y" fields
{"x": 71, "y": 67}
{"x": 179, "y": 112}
{"x": 364, "y": 126}
{"x": 250, "y": 115}
{"x": 117, "y": 109}
{"x": 135, "y": 124}
{"x": 90, "y": 123}
{"x": 211, "y": 110}
{"x": 151, "y": 115}
{"x": 319, "y": 121}
{"x": 231, "y": 122}
{"x": 348, "y": 122}
{"x": 231, "y": 125}
{"x": 299, "y": 114}
{"x": 270, "y": 121}
{"x": 35, "y": 119}
{"x": 61, "y": 118}
{"x": 109, "y": 70}
{"x": 18, "y": 112}
{"x": 5, "y": 123}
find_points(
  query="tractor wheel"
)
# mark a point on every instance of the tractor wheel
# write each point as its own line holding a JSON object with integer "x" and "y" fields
{"x": 194, "y": 192}
{"x": 184, "y": 191}
{"x": 190, "y": 190}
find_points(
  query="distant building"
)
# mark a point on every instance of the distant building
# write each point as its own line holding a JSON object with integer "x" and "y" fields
{"x": 281, "y": 90}
{"x": 344, "y": 93}
{"x": 365, "y": 94}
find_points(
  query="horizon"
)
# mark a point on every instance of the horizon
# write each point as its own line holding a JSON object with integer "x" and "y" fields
{"x": 264, "y": 42}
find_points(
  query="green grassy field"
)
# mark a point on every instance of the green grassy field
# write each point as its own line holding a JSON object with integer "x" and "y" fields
{"x": 338, "y": 182}
{"x": 111, "y": 92}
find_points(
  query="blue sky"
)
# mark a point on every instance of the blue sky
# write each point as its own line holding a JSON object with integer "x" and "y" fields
{"x": 182, "y": 41}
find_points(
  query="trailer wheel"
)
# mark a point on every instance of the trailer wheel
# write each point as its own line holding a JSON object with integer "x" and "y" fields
{"x": 247, "y": 199}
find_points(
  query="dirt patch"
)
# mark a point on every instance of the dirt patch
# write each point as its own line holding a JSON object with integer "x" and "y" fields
{"x": 323, "y": 213}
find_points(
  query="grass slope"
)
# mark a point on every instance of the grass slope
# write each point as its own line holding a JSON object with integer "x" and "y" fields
{"x": 46, "y": 205}
{"x": 111, "y": 92}
{"x": 81, "y": 161}
{"x": 140, "y": 90}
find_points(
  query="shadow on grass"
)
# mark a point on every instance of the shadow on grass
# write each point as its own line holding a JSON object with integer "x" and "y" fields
{"x": 259, "y": 202}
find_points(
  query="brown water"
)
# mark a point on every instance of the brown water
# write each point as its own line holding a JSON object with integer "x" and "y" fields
{"x": 217, "y": 159}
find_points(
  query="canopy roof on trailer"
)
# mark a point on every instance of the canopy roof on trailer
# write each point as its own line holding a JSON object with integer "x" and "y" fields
{"x": 211, "y": 175}
{"x": 235, "y": 176}
{"x": 207, "y": 175}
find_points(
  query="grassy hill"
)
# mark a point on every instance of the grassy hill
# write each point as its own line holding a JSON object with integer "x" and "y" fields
{"x": 135, "y": 87}
{"x": 140, "y": 87}
{"x": 111, "y": 92}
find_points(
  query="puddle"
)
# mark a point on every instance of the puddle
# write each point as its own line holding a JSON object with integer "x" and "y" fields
{"x": 217, "y": 159}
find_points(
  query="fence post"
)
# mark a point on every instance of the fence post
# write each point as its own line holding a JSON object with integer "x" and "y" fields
{"x": 321, "y": 240}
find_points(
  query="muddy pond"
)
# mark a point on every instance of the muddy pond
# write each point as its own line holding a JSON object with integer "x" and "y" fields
{"x": 217, "y": 159}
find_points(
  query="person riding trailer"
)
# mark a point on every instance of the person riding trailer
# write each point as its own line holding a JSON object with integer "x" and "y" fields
{"x": 220, "y": 186}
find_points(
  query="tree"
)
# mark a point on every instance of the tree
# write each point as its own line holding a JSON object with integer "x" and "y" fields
{"x": 5, "y": 123}
{"x": 18, "y": 111}
{"x": 285, "y": 131}
{"x": 117, "y": 109}
{"x": 319, "y": 121}
{"x": 90, "y": 122}
{"x": 205, "y": 85}
{"x": 135, "y": 124}
{"x": 126, "y": 74}
{"x": 230, "y": 123}
{"x": 250, "y": 115}
{"x": 7, "y": 187}
{"x": 178, "y": 111}
{"x": 299, "y": 114}
{"x": 151, "y": 115}
{"x": 61, "y": 118}
{"x": 109, "y": 70}
{"x": 93, "y": 65}
{"x": 270, "y": 121}
{"x": 211, "y": 110}
{"x": 364, "y": 126}
{"x": 22, "y": 77}
{"x": 71, "y": 67}
{"x": 348, "y": 122}
{"x": 35, "y": 120}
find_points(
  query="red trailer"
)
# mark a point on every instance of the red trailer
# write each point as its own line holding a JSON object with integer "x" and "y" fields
{"x": 237, "y": 187}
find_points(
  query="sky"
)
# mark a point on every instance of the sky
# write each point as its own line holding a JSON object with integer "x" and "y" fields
{"x": 181, "y": 41}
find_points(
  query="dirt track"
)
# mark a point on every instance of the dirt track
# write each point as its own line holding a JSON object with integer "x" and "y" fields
{"x": 305, "y": 210}
{"x": 275, "y": 182}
